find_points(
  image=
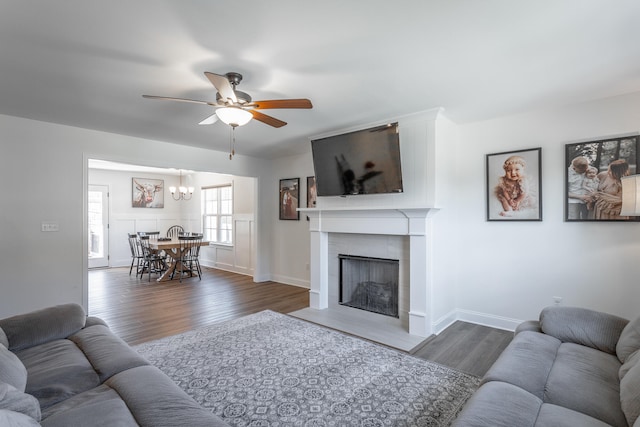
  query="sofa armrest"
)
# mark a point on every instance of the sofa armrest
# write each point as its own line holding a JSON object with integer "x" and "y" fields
{"x": 41, "y": 326}
{"x": 529, "y": 325}
{"x": 583, "y": 326}
{"x": 93, "y": 321}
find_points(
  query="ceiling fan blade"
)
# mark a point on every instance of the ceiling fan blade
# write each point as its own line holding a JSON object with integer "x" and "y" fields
{"x": 271, "y": 121}
{"x": 209, "y": 120}
{"x": 281, "y": 103}
{"x": 193, "y": 101}
{"x": 221, "y": 83}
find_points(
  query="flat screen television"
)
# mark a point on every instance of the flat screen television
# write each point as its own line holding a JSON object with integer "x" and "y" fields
{"x": 361, "y": 162}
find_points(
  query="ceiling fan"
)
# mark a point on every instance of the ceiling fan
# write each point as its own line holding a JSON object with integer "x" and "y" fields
{"x": 236, "y": 108}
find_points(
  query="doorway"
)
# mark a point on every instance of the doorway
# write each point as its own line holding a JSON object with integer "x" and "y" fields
{"x": 98, "y": 221}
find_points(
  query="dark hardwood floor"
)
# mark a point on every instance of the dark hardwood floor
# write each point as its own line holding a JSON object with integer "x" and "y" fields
{"x": 139, "y": 311}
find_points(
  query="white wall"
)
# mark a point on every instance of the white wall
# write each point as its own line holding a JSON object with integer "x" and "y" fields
{"x": 50, "y": 162}
{"x": 290, "y": 245}
{"x": 510, "y": 270}
{"x": 492, "y": 272}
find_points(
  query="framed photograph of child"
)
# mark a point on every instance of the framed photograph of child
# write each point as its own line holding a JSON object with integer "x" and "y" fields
{"x": 289, "y": 199}
{"x": 514, "y": 185}
{"x": 593, "y": 169}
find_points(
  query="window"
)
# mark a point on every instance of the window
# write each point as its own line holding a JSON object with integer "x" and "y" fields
{"x": 217, "y": 214}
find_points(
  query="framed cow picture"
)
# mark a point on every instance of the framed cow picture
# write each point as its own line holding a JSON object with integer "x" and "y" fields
{"x": 147, "y": 193}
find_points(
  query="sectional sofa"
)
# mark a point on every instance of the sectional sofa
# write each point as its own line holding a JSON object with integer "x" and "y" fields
{"x": 572, "y": 367}
{"x": 60, "y": 368}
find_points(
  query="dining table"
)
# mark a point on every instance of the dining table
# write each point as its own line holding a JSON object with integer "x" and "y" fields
{"x": 174, "y": 254}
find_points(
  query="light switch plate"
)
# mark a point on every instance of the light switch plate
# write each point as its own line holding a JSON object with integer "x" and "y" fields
{"x": 49, "y": 226}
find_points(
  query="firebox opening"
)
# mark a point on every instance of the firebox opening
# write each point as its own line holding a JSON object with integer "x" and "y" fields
{"x": 369, "y": 284}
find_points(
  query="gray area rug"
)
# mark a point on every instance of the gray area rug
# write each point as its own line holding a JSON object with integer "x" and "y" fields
{"x": 269, "y": 369}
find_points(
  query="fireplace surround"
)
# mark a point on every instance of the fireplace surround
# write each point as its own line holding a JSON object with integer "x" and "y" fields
{"x": 410, "y": 222}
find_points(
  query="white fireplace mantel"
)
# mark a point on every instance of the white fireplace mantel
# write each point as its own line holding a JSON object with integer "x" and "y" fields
{"x": 409, "y": 221}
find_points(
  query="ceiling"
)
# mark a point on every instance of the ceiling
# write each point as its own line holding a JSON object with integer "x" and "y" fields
{"x": 86, "y": 63}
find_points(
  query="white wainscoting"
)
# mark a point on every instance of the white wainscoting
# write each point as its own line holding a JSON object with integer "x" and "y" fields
{"x": 238, "y": 258}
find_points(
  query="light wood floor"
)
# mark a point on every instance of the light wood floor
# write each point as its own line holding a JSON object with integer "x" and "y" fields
{"x": 139, "y": 311}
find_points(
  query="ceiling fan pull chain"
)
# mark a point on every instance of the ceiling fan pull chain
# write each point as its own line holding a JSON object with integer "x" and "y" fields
{"x": 232, "y": 141}
{"x": 233, "y": 147}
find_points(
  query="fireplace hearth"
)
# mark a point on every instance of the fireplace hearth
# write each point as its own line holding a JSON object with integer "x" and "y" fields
{"x": 369, "y": 284}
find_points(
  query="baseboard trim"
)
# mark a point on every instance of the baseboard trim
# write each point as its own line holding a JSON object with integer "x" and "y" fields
{"x": 291, "y": 281}
{"x": 493, "y": 321}
{"x": 444, "y": 322}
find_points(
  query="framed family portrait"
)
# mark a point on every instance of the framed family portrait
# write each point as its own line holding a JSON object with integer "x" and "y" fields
{"x": 593, "y": 169}
{"x": 514, "y": 185}
{"x": 147, "y": 193}
{"x": 312, "y": 194}
{"x": 289, "y": 195}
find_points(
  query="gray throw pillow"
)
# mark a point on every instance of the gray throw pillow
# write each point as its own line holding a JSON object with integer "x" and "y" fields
{"x": 629, "y": 341}
{"x": 14, "y": 400}
{"x": 12, "y": 371}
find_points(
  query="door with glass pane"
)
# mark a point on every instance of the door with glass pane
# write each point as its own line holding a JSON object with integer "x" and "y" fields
{"x": 98, "y": 212}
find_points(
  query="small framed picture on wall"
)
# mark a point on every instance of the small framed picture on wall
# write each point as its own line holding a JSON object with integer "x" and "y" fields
{"x": 312, "y": 194}
{"x": 514, "y": 185}
{"x": 289, "y": 199}
{"x": 593, "y": 172}
{"x": 147, "y": 193}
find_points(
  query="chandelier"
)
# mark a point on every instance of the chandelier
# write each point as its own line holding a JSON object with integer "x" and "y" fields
{"x": 182, "y": 191}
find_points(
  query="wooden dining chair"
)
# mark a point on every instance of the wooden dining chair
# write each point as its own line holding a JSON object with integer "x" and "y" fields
{"x": 174, "y": 231}
{"x": 153, "y": 262}
{"x": 190, "y": 250}
{"x": 136, "y": 253}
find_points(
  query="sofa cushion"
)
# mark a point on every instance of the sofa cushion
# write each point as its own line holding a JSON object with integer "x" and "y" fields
{"x": 526, "y": 362}
{"x": 16, "y": 419}
{"x": 12, "y": 371}
{"x": 14, "y": 400}
{"x": 583, "y": 326}
{"x": 57, "y": 370}
{"x": 630, "y": 394}
{"x": 498, "y": 404}
{"x": 38, "y": 327}
{"x": 557, "y": 416}
{"x": 102, "y": 393}
{"x": 629, "y": 341}
{"x": 586, "y": 380}
{"x": 107, "y": 353}
{"x": 3, "y": 338}
{"x": 155, "y": 400}
{"x": 113, "y": 412}
{"x": 630, "y": 362}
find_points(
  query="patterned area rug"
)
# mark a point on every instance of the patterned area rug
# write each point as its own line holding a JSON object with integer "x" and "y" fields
{"x": 269, "y": 369}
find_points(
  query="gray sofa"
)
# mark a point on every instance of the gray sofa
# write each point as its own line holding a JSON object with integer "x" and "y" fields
{"x": 572, "y": 367}
{"x": 60, "y": 368}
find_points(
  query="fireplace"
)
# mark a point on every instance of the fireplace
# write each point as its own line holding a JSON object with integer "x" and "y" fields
{"x": 390, "y": 233}
{"x": 369, "y": 284}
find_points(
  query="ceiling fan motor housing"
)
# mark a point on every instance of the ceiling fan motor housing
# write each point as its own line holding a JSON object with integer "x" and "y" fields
{"x": 243, "y": 97}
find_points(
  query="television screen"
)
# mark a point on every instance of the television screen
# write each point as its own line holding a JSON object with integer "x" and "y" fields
{"x": 362, "y": 162}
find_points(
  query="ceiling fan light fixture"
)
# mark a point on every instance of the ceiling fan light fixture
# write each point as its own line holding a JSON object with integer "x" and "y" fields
{"x": 234, "y": 116}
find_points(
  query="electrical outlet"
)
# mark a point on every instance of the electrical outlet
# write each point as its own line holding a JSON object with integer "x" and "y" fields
{"x": 557, "y": 300}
